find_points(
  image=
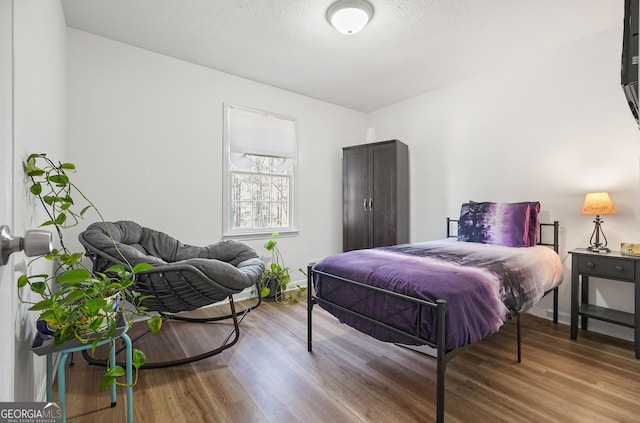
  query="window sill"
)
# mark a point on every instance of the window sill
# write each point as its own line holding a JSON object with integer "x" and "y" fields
{"x": 261, "y": 235}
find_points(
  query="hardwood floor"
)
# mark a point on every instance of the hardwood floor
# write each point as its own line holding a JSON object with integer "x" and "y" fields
{"x": 270, "y": 377}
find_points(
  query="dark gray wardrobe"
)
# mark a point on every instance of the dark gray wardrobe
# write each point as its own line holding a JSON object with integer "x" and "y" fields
{"x": 376, "y": 195}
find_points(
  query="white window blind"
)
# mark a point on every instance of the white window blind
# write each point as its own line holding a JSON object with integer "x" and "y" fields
{"x": 261, "y": 134}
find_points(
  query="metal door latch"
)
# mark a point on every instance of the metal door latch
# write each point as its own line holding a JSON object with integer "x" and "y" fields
{"x": 36, "y": 242}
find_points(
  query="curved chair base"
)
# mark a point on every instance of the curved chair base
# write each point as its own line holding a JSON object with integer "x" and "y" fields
{"x": 228, "y": 342}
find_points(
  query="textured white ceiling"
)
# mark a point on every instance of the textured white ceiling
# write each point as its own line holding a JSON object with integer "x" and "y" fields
{"x": 409, "y": 47}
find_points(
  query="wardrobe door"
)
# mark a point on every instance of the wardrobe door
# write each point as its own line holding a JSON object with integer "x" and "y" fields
{"x": 382, "y": 177}
{"x": 355, "y": 199}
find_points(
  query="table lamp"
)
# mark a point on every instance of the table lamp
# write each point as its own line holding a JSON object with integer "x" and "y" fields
{"x": 598, "y": 203}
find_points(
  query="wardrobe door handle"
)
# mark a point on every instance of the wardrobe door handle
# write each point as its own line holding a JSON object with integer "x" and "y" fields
{"x": 364, "y": 204}
{"x": 370, "y": 203}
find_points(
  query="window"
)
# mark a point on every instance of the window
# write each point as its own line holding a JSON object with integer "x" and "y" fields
{"x": 259, "y": 175}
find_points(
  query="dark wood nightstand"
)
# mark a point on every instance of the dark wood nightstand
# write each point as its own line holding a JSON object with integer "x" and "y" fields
{"x": 614, "y": 266}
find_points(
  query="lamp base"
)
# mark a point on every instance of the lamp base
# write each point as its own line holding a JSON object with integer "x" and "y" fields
{"x": 599, "y": 249}
{"x": 595, "y": 245}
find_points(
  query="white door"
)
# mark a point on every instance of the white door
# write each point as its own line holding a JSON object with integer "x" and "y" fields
{"x": 7, "y": 286}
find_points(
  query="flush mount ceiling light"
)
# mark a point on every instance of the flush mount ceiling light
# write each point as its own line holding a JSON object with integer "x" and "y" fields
{"x": 349, "y": 16}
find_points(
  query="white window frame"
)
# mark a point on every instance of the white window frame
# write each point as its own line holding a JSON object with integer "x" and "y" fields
{"x": 285, "y": 128}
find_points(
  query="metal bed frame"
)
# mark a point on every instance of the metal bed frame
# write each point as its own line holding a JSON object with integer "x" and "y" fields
{"x": 440, "y": 307}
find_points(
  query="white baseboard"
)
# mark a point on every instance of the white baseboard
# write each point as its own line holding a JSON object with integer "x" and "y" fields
{"x": 247, "y": 294}
{"x": 597, "y": 326}
{"x": 422, "y": 349}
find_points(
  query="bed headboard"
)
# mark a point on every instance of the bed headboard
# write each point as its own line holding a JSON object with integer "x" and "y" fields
{"x": 541, "y": 233}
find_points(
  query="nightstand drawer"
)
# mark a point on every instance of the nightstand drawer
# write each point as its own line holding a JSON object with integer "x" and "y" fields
{"x": 606, "y": 267}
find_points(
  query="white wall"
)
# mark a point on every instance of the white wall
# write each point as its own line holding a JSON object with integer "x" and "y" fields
{"x": 38, "y": 119}
{"x": 146, "y": 133}
{"x": 549, "y": 129}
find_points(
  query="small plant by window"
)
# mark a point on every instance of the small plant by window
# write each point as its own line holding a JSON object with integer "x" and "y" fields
{"x": 276, "y": 276}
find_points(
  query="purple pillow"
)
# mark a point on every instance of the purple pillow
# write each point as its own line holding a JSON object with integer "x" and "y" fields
{"x": 534, "y": 222}
{"x": 496, "y": 223}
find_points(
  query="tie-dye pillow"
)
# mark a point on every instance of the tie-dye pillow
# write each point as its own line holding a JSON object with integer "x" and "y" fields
{"x": 508, "y": 224}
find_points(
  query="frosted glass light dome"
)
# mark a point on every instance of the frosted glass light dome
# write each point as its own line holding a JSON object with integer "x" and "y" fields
{"x": 349, "y": 16}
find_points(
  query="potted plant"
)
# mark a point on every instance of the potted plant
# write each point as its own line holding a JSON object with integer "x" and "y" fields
{"x": 74, "y": 302}
{"x": 276, "y": 277}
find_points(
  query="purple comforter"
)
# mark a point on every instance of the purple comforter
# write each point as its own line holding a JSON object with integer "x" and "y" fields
{"x": 484, "y": 285}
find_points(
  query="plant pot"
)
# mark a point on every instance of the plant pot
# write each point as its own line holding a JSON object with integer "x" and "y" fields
{"x": 43, "y": 345}
{"x": 47, "y": 329}
{"x": 275, "y": 290}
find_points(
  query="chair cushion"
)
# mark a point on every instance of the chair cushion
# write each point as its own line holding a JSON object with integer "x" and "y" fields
{"x": 230, "y": 263}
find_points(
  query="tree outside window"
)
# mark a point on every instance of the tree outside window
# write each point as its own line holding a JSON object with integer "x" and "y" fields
{"x": 260, "y": 196}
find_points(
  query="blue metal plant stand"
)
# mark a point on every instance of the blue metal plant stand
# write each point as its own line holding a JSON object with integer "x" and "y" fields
{"x": 46, "y": 347}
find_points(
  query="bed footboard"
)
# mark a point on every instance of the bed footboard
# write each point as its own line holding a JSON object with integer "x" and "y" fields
{"x": 440, "y": 306}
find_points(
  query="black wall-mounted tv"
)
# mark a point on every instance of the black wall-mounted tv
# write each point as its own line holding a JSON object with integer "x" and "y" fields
{"x": 629, "y": 71}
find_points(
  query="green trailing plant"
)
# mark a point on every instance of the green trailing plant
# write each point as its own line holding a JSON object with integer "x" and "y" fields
{"x": 295, "y": 295}
{"x": 277, "y": 276}
{"x": 74, "y": 301}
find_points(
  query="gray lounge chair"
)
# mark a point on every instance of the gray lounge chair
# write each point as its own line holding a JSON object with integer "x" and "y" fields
{"x": 184, "y": 277}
